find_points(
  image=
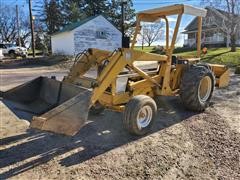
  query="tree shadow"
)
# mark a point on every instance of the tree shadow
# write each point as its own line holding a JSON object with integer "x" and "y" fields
{"x": 13, "y": 139}
{"x": 102, "y": 134}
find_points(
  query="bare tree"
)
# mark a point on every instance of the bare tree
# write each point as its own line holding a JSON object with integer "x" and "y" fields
{"x": 8, "y": 25}
{"x": 228, "y": 21}
{"x": 178, "y": 38}
{"x": 151, "y": 32}
{"x": 130, "y": 32}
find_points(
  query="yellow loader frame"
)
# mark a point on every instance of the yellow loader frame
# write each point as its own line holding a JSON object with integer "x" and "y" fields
{"x": 165, "y": 82}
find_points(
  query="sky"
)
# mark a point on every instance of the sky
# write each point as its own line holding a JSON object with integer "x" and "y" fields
{"x": 138, "y": 5}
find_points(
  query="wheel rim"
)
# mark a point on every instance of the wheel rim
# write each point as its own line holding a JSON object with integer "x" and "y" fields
{"x": 204, "y": 89}
{"x": 144, "y": 117}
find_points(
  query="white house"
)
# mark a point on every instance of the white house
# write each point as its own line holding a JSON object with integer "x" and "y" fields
{"x": 213, "y": 34}
{"x": 93, "y": 32}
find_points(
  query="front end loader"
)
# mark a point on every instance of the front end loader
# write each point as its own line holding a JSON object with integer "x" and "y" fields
{"x": 125, "y": 80}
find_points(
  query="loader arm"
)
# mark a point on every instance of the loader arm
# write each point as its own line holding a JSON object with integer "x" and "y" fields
{"x": 108, "y": 75}
{"x": 117, "y": 62}
{"x": 84, "y": 61}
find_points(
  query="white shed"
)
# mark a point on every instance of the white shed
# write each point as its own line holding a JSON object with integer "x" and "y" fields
{"x": 93, "y": 32}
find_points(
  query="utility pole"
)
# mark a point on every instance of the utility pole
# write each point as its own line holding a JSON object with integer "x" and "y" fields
{"x": 1, "y": 19}
{"x": 122, "y": 19}
{"x": 18, "y": 29}
{"x": 142, "y": 38}
{"x": 32, "y": 27}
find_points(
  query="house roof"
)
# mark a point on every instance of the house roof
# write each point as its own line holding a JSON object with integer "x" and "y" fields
{"x": 192, "y": 26}
{"x": 74, "y": 25}
{"x": 204, "y": 29}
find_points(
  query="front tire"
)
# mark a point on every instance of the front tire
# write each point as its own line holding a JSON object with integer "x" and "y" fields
{"x": 197, "y": 87}
{"x": 139, "y": 114}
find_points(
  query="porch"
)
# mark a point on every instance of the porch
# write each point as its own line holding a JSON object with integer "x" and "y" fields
{"x": 208, "y": 38}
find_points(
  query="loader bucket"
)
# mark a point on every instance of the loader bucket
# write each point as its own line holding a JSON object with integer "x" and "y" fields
{"x": 222, "y": 74}
{"x": 56, "y": 106}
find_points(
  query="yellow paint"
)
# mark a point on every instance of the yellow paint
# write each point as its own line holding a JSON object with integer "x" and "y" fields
{"x": 166, "y": 81}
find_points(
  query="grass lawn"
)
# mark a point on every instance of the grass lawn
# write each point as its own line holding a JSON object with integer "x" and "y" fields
{"x": 214, "y": 55}
{"x": 145, "y": 48}
{"x": 218, "y": 55}
{"x": 36, "y": 51}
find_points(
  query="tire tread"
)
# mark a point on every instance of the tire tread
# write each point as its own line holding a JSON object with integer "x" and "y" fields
{"x": 131, "y": 110}
{"x": 189, "y": 87}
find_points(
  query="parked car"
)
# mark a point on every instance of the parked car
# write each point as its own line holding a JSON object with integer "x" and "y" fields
{"x": 13, "y": 51}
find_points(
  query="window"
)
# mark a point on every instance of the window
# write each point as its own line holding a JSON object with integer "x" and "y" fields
{"x": 101, "y": 35}
{"x": 209, "y": 20}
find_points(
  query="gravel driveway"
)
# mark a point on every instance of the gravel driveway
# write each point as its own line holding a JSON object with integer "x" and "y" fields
{"x": 182, "y": 145}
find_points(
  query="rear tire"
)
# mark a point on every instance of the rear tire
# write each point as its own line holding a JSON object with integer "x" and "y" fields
{"x": 197, "y": 87}
{"x": 139, "y": 115}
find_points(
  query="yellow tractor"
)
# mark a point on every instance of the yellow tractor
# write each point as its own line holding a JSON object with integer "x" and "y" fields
{"x": 125, "y": 80}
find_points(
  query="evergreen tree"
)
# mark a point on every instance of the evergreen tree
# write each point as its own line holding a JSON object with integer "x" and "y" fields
{"x": 95, "y": 7}
{"x": 53, "y": 16}
{"x": 114, "y": 14}
{"x": 38, "y": 42}
{"x": 50, "y": 14}
{"x": 72, "y": 10}
{"x": 57, "y": 13}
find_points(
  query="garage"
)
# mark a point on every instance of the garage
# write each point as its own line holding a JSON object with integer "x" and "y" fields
{"x": 93, "y": 32}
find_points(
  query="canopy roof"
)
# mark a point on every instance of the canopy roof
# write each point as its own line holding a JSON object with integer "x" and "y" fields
{"x": 154, "y": 14}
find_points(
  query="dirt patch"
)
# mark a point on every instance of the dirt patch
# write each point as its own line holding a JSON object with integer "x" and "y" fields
{"x": 182, "y": 145}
